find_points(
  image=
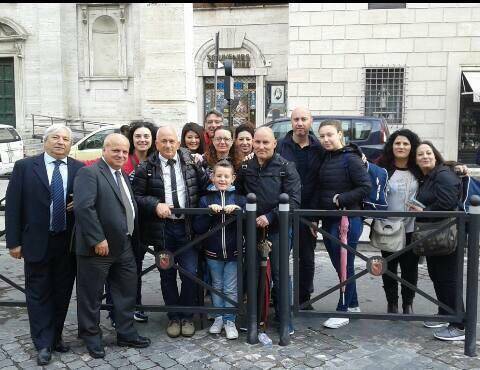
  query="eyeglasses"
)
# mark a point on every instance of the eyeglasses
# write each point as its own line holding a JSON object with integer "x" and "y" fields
{"x": 220, "y": 139}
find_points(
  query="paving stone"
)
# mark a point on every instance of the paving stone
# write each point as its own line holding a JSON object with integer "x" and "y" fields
{"x": 105, "y": 367}
{"x": 128, "y": 367}
{"x": 75, "y": 364}
{"x": 5, "y": 363}
{"x": 163, "y": 360}
{"x": 118, "y": 362}
{"x": 28, "y": 364}
{"x": 147, "y": 364}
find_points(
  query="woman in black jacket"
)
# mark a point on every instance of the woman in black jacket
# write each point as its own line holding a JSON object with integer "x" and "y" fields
{"x": 342, "y": 183}
{"x": 439, "y": 190}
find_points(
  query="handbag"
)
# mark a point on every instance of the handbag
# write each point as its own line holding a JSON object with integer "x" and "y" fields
{"x": 443, "y": 241}
{"x": 388, "y": 235}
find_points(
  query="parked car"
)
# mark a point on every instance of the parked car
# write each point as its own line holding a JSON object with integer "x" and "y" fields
{"x": 370, "y": 133}
{"x": 90, "y": 147}
{"x": 11, "y": 148}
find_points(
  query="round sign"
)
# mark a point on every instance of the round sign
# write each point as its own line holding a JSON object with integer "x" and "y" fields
{"x": 164, "y": 260}
{"x": 376, "y": 265}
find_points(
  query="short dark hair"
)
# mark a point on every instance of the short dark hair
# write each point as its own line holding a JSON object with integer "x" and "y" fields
{"x": 134, "y": 125}
{"x": 215, "y": 112}
{"x": 244, "y": 127}
{"x": 199, "y": 130}
{"x": 438, "y": 157}
{"x": 225, "y": 164}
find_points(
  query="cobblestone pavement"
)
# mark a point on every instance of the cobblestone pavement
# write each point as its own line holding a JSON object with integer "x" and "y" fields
{"x": 361, "y": 344}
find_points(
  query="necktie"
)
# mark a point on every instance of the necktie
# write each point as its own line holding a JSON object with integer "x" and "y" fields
{"x": 58, "y": 199}
{"x": 171, "y": 163}
{"x": 126, "y": 203}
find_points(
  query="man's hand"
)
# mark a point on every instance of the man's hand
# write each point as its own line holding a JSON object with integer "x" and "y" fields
{"x": 461, "y": 170}
{"x": 248, "y": 156}
{"x": 313, "y": 228}
{"x": 102, "y": 248}
{"x": 262, "y": 221}
{"x": 70, "y": 206}
{"x": 163, "y": 210}
{"x": 230, "y": 208}
{"x": 216, "y": 208}
{"x": 16, "y": 252}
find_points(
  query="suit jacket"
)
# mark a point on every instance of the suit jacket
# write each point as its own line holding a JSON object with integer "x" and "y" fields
{"x": 99, "y": 211}
{"x": 27, "y": 208}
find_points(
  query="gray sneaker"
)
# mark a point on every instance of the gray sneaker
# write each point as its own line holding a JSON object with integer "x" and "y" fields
{"x": 450, "y": 333}
{"x": 434, "y": 324}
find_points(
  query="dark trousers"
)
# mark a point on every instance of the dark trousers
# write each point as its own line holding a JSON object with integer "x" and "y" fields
{"x": 92, "y": 272}
{"x": 48, "y": 289}
{"x": 408, "y": 262}
{"x": 307, "y": 244}
{"x": 443, "y": 272}
{"x": 139, "y": 262}
{"x": 331, "y": 225}
{"x": 175, "y": 238}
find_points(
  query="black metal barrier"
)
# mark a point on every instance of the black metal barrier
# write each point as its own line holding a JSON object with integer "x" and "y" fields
{"x": 456, "y": 314}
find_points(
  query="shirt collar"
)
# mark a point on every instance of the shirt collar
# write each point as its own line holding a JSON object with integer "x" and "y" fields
{"x": 164, "y": 160}
{"x": 112, "y": 170}
{"x": 49, "y": 159}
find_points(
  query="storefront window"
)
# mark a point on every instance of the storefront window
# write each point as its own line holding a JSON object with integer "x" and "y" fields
{"x": 243, "y": 106}
{"x": 469, "y": 132}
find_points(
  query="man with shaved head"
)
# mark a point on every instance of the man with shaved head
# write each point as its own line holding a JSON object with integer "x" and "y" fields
{"x": 303, "y": 148}
{"x": 170, "y": 179}
{"x": 268, "y": 175}
{"x": 106, "y": 235}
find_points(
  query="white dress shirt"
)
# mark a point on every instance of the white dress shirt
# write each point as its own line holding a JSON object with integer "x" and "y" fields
{"x": 167, "y": 183}
{"x": 124, "y": 185}
{"x": 50, "y": 166}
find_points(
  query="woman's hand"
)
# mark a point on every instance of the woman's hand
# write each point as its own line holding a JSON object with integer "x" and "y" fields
{"x": 197, "y": 157}
{"x": 248, "y": 156}
{"x": 461, "y": 170}
{"x": 413, "y": 208}
{"x": 230, "y": 208}
{"x": 215, "y": 208}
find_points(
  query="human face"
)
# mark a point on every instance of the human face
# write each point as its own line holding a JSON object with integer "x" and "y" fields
{"x": 192, "y": 141}
{"x": 301, "y": 122}
{"x": 116, "y": 152}
{"x": 244, "y": 142}
{"x": 222, "y": 141}
{"x": 167, "y": 143}
{"x": 212, "y": 123}
{"x": 142, "y": 139}
{"x": 58, "y": 144}
{"x": 264, "y": 144}
{"x": 330, "y": 138}
{"x": 425, "y": 158}
{"x": 222, "y": 178}
{"x": 401, "y": 147}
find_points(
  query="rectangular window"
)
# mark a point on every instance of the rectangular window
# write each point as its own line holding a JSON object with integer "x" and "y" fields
{"x": 387, "y": 5}
{"x": 384, "y": 93}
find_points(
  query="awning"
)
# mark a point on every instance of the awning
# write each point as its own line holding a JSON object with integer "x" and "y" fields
{"x": 473, "y": 79}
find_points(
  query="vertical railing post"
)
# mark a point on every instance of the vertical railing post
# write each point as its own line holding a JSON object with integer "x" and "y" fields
{"x": 472, "y": 278}
{"x": 251, "y": 267}
{"x": 284, "y": 252}
{"x": 33, "y": 125}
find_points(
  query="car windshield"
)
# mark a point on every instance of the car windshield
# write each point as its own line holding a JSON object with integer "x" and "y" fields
{"x": 8, "y": 135}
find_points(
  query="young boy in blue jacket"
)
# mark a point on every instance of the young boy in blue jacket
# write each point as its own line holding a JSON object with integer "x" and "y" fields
{"x": 221, "y": 248}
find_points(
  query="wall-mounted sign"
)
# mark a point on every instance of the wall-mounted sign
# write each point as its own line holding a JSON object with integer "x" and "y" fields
{"x": 239, "y": 60}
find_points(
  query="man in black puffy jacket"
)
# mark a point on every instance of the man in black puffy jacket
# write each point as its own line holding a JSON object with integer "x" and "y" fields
{"x": 303, "y": 148}
{"x": 170, "y": 179}
{"x": 268, "y": 175}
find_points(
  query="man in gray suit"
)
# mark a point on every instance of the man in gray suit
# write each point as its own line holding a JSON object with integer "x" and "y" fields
{"x": 106, "y": 233}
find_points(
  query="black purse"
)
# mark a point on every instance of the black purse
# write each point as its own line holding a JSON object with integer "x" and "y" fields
{"x": 443, "y": 241}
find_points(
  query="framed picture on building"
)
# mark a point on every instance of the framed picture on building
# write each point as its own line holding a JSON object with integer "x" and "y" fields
{"x": 277, "y": 94}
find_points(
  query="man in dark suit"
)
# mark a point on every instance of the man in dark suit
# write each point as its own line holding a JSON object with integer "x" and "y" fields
{"x": 106, "y": 234}
{"x": 39, "y": 222}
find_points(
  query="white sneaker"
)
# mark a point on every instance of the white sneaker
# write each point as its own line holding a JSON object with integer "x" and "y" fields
{"x": 354, "y": 309}
{"x": 230, "y": 330}
{"x": 336, "y": 322}
{"x": 217, "y": 325}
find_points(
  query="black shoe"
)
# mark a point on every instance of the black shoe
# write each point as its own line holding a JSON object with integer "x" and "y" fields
{"x": 60, "y": 346}
{"x": 44, "y": 356}
{"x": 96, "y": 351}
{"x": 138, "y": 342}
{"x": 392, "y": 308}
{"x": 308, "y": 307}
{"x": 407, "y": 309}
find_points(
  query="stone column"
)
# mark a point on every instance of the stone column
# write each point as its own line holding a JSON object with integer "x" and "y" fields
{"x": 168, "y": 84}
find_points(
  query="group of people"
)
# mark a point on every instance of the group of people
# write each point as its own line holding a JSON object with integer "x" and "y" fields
{"x": 95, "y": 220}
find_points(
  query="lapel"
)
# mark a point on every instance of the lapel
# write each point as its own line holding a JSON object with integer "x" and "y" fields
{"x": 70, "y": 170}
{"x": 127, "y": 181}
{"x": 105, "y": 171}
{"x": 40, "y": 170}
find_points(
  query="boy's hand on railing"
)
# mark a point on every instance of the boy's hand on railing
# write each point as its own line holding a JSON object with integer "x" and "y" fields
{"x": 230, "y": 208}
{"x": 216, "y": 208}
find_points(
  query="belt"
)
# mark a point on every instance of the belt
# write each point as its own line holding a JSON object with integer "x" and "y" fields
{"x": 176, "y": 220}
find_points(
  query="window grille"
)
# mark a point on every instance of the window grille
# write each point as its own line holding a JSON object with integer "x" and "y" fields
{"x": 384, "y": 94}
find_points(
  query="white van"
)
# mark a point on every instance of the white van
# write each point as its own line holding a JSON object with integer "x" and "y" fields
{"x": 11, "y": 148}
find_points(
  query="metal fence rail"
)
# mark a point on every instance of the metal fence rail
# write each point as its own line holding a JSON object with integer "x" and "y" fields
{"x": 455, "y": 314}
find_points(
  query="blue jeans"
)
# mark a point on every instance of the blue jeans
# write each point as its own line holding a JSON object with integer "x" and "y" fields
{"x": 175, "y": 238}
{"x": 224, "y": 279}
{"x": 331, "y": 225}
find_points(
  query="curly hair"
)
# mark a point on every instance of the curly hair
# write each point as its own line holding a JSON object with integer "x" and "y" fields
{"x": 134, "y": 125}
{"x": 248, "y": 127}
{"x": 233, "y": 156}
{"x": 199, "y": 130}
{"x": 387, "y": 159}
